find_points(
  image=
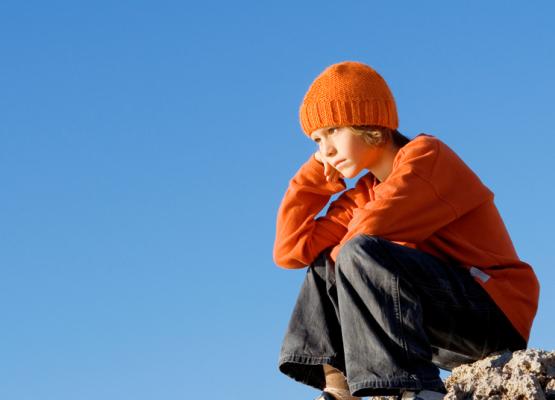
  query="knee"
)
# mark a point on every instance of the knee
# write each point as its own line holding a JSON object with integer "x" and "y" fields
{"x": 358, "y": 253}
{"x": 357, "y": 246}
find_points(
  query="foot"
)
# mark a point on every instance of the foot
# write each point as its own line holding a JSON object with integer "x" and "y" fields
{"x": 422, "y": 395}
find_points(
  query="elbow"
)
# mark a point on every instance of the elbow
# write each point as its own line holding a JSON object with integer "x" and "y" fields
{"x": 286, "y": 261}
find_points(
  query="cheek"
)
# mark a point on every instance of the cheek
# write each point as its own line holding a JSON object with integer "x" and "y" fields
{"x": 354, "y": 149}
{"x": 357, "y": 146}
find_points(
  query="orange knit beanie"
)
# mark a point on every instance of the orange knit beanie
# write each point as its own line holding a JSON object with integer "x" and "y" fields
{"x": 346, "y": 94}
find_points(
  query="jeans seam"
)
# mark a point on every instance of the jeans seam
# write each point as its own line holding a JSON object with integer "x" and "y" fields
{"x": 396, "y": 301}
{"x": 397, "y": 305}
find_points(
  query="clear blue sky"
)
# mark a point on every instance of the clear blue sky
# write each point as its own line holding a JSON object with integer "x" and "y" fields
{"x": 145, "y": 148}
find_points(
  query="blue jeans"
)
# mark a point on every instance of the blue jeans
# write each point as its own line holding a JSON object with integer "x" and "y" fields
{"x": 388, "y": 316}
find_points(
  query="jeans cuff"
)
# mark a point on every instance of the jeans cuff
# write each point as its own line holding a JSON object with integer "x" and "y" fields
{"x": 392, "y": 386}
{"x": 305, "y": 359}
{"x": 306, "y": 368}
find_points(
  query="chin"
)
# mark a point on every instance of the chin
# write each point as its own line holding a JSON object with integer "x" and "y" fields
{"x": 348, "y": 174}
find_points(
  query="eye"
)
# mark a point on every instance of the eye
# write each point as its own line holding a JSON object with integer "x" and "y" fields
{"x": 332, "y": 130}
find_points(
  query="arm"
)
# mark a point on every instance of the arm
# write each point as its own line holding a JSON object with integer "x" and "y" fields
{"x": 428, "y": 188}
{"x": 299, "y": 236}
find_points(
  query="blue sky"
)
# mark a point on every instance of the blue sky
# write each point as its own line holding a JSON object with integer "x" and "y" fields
{"x": 145, "y": 148}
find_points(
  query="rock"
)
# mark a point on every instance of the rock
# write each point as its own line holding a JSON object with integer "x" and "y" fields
{"x": 522, "y": 375}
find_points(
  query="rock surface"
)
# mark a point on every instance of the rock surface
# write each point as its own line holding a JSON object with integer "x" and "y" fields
{"x": 522, "y": 375}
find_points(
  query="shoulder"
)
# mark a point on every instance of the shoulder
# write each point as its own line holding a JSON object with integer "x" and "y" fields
{"x": 427, "y": 154}
{"x": 437, "y": 162}
{"x": 422, "y": 150}
{"x": 425, "y": 144}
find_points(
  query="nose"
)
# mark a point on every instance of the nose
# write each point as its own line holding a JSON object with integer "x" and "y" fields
{"x": 328, "y": 149}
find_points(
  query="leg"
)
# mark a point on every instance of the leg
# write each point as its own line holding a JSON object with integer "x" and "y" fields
{"x": 397, "y": 305}
{"x": 313, "y": 337}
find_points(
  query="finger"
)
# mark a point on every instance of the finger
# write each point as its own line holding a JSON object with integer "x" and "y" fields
{"x": 330, "y": 173}
{"x": 334, "y": 174}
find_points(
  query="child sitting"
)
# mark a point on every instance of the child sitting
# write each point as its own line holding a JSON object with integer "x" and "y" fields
{"x": 410, "y": 270}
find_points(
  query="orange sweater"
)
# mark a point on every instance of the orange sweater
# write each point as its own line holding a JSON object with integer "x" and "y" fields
{"x": 431, "y": 201}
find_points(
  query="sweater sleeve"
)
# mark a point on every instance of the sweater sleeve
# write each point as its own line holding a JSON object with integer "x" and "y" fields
{"x": 429, "y": 187}
{"x": 300, "y": 237}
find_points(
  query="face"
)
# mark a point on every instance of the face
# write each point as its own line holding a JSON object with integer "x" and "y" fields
{"x": 339, "y": 143}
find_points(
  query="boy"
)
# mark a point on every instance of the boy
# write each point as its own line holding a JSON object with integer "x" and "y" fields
{"x": 410, "y": 270}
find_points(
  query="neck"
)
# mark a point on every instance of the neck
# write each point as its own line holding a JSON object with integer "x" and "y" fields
{"x": 383, "y": 168}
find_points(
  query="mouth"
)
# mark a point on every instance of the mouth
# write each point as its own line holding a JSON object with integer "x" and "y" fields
{"x": 339, "y": 164}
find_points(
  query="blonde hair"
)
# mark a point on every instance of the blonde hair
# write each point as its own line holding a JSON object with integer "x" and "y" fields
{"x": 376, "y": 135}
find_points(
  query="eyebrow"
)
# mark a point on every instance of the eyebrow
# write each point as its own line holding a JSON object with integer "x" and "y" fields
{"x": 325, "y": 131}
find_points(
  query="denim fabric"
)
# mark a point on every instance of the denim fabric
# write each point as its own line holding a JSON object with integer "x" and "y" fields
{"x": 388, "y": 316}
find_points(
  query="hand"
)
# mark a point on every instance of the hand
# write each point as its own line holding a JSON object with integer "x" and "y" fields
{"x": 331, "y": 174}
